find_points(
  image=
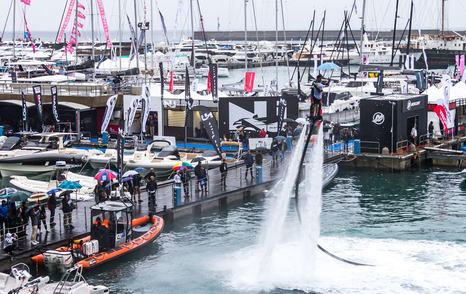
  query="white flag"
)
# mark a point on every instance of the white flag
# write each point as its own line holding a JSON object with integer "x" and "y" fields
{"x": 145, "y": 104}
{"x": 108, "y": 112}
{"x": 131, "y": 113}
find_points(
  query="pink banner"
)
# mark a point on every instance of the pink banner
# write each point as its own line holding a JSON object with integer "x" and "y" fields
{"x": 66, "y": 21}
{"x": 104, "y": 23}
{"x": 461, "y": 65}
{"x": 442, "y": 116}
{"x": 75, "y": 33}
{"x": 29, "y": 33}
{"x": 249, "y": 81}
{"x": 457, "y": 63}
{"x": 26, "y": 2}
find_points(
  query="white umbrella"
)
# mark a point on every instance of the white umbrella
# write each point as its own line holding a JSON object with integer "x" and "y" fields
{"x": 130, "y": 173}
{"x": 301, "y": 120}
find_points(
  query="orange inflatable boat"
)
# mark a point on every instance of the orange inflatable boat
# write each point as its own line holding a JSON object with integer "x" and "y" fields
{"x": 119, "y": 240}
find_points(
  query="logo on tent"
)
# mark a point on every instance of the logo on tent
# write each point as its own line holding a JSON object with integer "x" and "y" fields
{"x": 378, "y": 118}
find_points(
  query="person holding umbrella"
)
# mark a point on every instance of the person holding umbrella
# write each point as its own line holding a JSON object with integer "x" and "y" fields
{"x": 67, "y": 208}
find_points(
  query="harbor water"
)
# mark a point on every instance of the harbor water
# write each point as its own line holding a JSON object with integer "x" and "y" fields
{"x": 410, "y": 226}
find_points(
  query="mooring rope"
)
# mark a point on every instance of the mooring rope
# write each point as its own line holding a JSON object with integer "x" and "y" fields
{"x": 298, "y": 180}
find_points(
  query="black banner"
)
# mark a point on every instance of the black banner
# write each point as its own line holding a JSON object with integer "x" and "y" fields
{"x": 14, "y": 77}
{"x": 213, "y": 70}
{"x": 24, "y": 111}
{"x": 210, "y": 124}
{"x": 37, "y": 90}
{"x": 189, "y": 100}
{"x": 281, "y": 114}
{"x": 54, "y": 92}
{"x": 162, "y": 79}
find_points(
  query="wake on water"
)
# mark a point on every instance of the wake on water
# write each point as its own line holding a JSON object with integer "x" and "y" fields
{"x": 286, "y": 255}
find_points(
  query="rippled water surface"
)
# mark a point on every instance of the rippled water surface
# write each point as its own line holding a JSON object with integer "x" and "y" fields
{"x": 411, "y": 226}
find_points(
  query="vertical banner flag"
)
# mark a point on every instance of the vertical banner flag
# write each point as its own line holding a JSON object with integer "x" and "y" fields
{"x": 445, "y": 102}
{"x": 26, "y": 2}
{"x": 249, "y": 81}
{"x": 145, "y": 106}
{"x": 108, "y": 112}
{"x": 194, "y": 86}
{"x": 37, "y": 92}
{"x": 66, "y": 21}
{"x": 457, "y": 64}
{"x": 442, "y": 116}
{"x": 281, "y": 109}
{"x": 462, "y": 65}
{"x": 210, "y": 124}
{"x": 131, "y": 113}
{"x": 75, "y": 32}
{"x": 162, "y": 80}
{"x": 188, "y": 99}
{"x": 28, "y": 32}
{"x": 54, "y": 93}
{"x": 104, "y": 23}
{"x": 209, "y": 85}
{"x": 213, "y": 80}
{"x": 170, "y": 83}
{"x": 24, "y": 109}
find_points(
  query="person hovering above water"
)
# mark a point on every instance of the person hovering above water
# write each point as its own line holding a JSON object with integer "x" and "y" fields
{"x": 316, "y": 97}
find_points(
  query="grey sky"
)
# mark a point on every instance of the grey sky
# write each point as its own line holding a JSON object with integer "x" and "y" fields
{"x": 44, "y": 15}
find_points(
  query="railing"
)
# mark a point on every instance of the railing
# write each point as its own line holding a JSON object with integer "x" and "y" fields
{"x": 64, "y": 89}
{"x": 402, "y": 145}
{"x": 424, "y": 139}
{"x": 370, "y": 145}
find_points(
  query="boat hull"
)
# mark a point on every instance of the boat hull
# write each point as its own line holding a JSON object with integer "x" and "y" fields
{"x": 12, "y": 169}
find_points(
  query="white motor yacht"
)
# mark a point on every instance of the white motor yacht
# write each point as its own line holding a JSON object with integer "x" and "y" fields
{"x": 20, "y": 281}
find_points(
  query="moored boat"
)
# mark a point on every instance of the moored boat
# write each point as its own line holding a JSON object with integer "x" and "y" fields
{"x": 113, "y": 235}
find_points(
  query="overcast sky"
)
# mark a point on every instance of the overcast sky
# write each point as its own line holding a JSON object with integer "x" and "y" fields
{"x": 44, "y": 15}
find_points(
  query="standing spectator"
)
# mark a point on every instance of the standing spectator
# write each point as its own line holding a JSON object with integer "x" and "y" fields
{"x": 203, "y": 179}
{"x": 289, "y": 137}
{"x": 137, "y": 186}
{"x": 152, "y": 123}
{"x": 198, "y": 174}
{"x": 67, "y": 207}
{"x": 414, "y": 135}
{"x": 52, "y": 203}
{"x": 151, "y": 188}
{"x": 186, "y": 178}
{"x": 223, "y": 173}
{"x": 34, "y": 213}
{"x": 282, "y": 150}
{"x": 150, "y": 174}
{"x": 177, "y": 188}
{"x": 42, "y": 219}
{"x": 274, "y": 151}
{"x": 431, "y": 130}
{"x": 249, "y": 161}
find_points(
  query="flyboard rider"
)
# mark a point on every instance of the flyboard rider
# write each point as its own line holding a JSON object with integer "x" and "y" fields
{"x": 316, "y": 97}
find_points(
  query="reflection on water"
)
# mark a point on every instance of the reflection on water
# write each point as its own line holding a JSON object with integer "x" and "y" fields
{"x": 411, "y": 225}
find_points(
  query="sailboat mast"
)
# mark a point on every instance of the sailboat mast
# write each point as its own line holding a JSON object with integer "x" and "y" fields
{"x": 152, "y": 34}
{"x": 443, "y": 17}
{"x": 193, "y": 55}
{"x": 92, "y": 37}
{"x": 136, "y": 33}
{"x": 245, "y": 35}
{"x": 410, "y": 27}
{"x": 119, "y": 30}
{"x": 14, "y": 28}
{"x": 276, "y": 43}
{"x": 394, "y": 33}
{"x": 363, "y": 29}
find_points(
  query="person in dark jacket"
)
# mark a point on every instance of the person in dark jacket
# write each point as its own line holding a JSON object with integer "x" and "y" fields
{"x": 223, "y": 172}
{"x": 198, "y": 174}
{"x": 151, "y": 188}
{"x": 185, "y": 179}
{"x": 249, "y": 161}
{"x": 67, "y": 207}
{"x": 52, "y": 203}
{"x": 137, "y": 186}
{"x": 42, "y": 219}
{"x": 34, "y": 214}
